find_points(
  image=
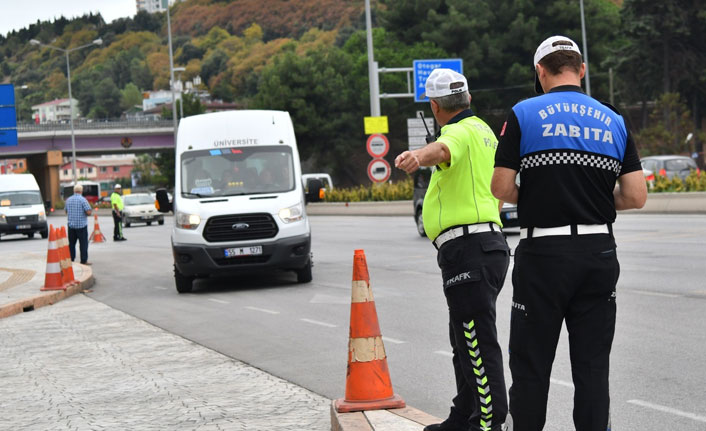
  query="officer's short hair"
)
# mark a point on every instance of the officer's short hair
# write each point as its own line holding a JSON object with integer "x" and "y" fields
{"x": 557, "y": 61}
{"x": 453, "y": 102}
{"x": 78, "y": 188}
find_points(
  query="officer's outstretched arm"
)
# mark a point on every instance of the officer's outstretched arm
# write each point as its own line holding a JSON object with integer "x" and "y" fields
{"x": 503, "y": 185}
{"x": 631, "y": 191}
{"x": 431, "y": 155}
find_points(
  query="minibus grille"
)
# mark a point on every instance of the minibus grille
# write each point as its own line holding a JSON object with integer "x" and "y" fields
{"x": 233, "y": 227}
{"x": 22, "y": 219}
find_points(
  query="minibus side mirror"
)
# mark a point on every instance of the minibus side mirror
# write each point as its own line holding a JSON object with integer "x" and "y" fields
{"x": 162, "y": 201}
{"x": 315, "y": 190}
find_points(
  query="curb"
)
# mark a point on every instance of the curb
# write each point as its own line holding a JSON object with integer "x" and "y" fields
{"x": 41, "y": 300}
{"x": 657, "y": 203}
{"x": 359, "y": 421}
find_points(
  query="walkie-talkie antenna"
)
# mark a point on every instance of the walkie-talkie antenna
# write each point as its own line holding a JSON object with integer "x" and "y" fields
{"x": 429, "y": 138}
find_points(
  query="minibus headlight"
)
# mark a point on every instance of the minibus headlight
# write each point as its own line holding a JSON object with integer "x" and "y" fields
{"x": 187, "y": 221}
{"x": 291, "y": 214}
{"x": 2, "y": 218}
{"x": 42, "y": 216}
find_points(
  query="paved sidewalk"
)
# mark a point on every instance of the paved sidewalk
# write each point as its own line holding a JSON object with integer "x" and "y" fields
{"x": 81, "y": 365}
{"x": 73, "y": 363}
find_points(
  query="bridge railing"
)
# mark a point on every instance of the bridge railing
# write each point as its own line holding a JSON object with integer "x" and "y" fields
{"x": 87, "y": 124}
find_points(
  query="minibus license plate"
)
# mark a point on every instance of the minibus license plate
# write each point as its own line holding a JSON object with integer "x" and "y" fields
{"x": 243, "y": 251}
{"x": 23, "y": 226}
{"x": 512, "y": 215}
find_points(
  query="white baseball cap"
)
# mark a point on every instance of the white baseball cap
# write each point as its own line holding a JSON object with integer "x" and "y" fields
{"x": 550, "y": 45}
{"x": 444, "y": 82}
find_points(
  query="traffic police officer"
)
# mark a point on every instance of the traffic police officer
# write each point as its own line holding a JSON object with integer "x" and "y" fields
{"x": 462, "y": 219}
{"x": 116, "y": 202}
{"x": 569, "y": 150}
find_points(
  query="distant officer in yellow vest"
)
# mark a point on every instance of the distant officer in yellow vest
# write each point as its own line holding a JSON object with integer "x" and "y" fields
{"x": 116, "y": 203}
{"x": 462, "y": 219}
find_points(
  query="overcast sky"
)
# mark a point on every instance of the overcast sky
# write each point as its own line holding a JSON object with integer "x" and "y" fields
{"x": 16, "y": 15}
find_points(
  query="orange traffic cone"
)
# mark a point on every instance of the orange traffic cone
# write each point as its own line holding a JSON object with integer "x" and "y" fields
{"x": 368, "y": 385}
{"x": 52, "y": 278}
{"x": 96, "y": 235}
{"x": 67, "y": 271}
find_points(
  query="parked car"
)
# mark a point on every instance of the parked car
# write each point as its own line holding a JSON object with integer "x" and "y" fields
{"x": 508, "y": 215}
{"x": 324, "y": 178}
{"x": 669, "y": 166}
{"x": 139, "y": 208}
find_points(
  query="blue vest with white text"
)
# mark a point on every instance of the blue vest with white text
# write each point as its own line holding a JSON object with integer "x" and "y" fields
{"x": 570, "y": 120}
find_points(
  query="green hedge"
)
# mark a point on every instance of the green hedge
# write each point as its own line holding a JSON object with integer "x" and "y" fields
{"x": 402, "y": 190}
{"x": 695, "y": 182}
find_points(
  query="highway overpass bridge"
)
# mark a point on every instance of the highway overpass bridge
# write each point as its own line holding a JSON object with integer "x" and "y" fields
{"x": 44, "y": 145}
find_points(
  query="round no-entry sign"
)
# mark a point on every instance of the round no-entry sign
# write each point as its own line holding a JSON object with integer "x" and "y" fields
{"x": 379, "y": 170}
{"x": 377, "y": 145}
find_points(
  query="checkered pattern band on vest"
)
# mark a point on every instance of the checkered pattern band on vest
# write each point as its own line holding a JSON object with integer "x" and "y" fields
{"x": 570, "y": 158}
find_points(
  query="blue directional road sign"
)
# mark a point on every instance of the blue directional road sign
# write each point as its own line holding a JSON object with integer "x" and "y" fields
{"x": 8, "y": 116}
{"x": 423, "y": 68}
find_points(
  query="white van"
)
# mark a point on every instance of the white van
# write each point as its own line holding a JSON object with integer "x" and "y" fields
{"x": 21, "y": 206}
{"x": 239, "y": 202}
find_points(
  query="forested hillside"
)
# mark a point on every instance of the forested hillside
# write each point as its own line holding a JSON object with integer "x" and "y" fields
{"x": 309, "y": 57}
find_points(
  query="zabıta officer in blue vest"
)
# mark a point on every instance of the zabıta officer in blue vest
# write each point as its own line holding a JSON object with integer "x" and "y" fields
{"x": 569, "y": 150}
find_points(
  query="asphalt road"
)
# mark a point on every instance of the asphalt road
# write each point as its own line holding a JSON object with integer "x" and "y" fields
{"x": 300, "y": 332}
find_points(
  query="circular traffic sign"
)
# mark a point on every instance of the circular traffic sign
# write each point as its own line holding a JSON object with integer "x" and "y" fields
{"x": 377, "y": 145}
{"x": 379, "y": 170}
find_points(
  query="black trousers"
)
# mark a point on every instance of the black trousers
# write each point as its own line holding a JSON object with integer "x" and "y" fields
{"x": 473, "y": 268}
{"x": 556, "y": 279}
{"x": 80, "y": 234}
{"x": 117, "y": 225}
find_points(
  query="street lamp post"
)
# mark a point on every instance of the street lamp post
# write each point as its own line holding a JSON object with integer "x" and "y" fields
{"x": 171, "y": 74}
{"x": 585, "y": 49}
{"x": 181, "y": 92}
{"x": 66, "y": 52}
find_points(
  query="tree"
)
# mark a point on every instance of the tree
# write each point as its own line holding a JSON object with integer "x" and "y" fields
{"x": 188, "y": 52}
{"x": 130, "y": 96}
{"x": 497, "y": 39}
{"x": 663, "y": 50}
{"x": 667, "y": 133}
{"x": 140, "y": 74}
{"x": 213, "y": 64}
{"x": 106, "y": 100}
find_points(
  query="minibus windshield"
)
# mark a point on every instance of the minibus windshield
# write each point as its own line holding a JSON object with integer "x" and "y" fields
{"x": 237, "y": 171}
{"x": 13, "y": 199}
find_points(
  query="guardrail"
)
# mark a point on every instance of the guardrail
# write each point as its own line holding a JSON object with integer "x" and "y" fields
{"x": 94, "y": 125}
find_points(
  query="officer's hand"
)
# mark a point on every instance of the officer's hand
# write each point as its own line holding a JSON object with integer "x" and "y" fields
{"x": 407, "y": 161}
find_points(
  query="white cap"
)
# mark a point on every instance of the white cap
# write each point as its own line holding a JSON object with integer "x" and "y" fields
{"x": 118, "y": 186}
{"x": 550, "y": 46}
{"x": 444, "y": 82}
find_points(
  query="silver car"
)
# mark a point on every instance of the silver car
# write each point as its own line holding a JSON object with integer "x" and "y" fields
{"x": 139, "y": 208}
{"x": 669, "y": 166}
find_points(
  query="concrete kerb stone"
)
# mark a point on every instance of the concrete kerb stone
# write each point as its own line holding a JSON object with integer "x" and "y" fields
{"x": 404, "y": 418}
{"x": 657, "y": 203}
{"x": 85, "y": 281}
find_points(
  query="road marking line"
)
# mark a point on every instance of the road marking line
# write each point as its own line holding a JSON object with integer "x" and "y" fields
{"x": 561, "y": 382}
{"x": 264, "y": 310}
{"x": 218, "y": 301}
{"x": 444, "y": 353}
{"x": 160, "y": 287}
{"x": 668, "y": 410}
{"x": 393, "y": 340}
{"x": 648, "y": 293}
{"x": 316, "y": 322}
